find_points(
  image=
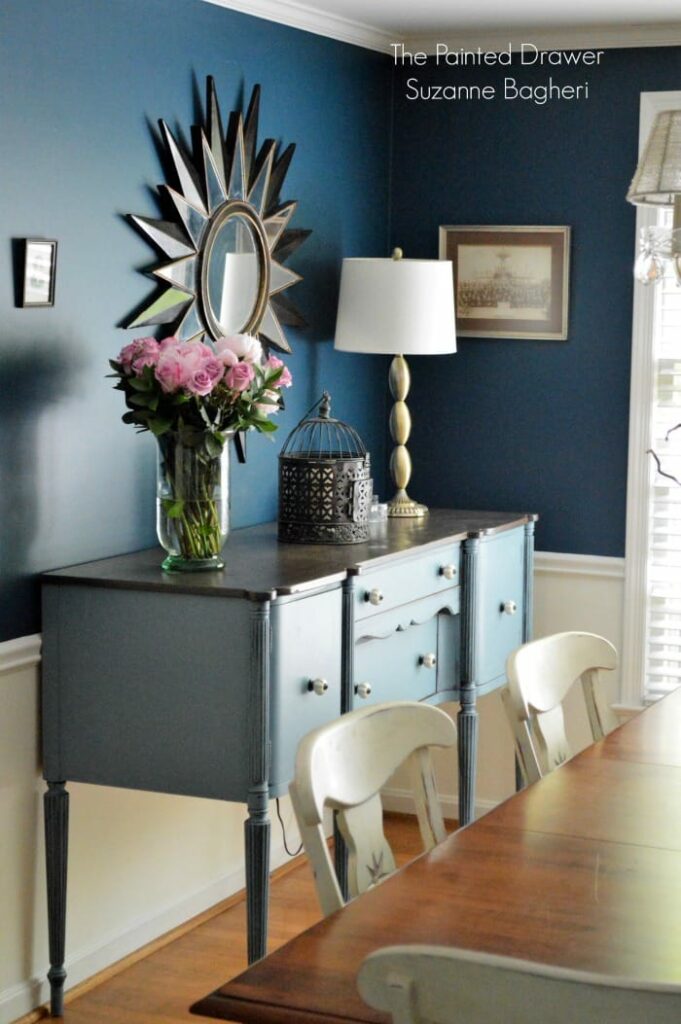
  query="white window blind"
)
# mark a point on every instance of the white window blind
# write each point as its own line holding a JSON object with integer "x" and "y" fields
{"x": 663, "y": 643}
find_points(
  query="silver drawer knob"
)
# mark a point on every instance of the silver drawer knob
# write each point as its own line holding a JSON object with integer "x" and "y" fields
{"x": 318, "y": 686}
{"x": 374, "y": 596}
{"x": 448, "y": 571}
{"x": 429, "y": 661}
{"x": 363, "y": 690}
{"x": 509, "y": 608}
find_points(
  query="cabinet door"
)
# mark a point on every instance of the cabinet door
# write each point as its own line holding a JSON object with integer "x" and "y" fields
{"x": 306, "y": 646}
{"x": 499, "y": 609}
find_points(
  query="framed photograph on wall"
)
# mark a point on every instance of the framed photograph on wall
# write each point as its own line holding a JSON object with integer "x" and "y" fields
{"x": 509, "y": 282}
{"x": 39, "y": 272}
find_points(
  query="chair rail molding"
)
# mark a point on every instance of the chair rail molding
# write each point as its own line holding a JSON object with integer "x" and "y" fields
{"x": 639, "y": 473}
{"x": 23, "y": 652}
{"x": 558, "y": 563}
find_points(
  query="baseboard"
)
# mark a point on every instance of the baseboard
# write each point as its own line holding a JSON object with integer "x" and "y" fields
{"x": 21, "y": 999}
{"x": 402, "y": 801}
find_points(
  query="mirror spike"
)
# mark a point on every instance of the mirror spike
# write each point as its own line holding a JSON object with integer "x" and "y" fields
{"x": 281, "y": 277}
{"x": 237, "y": 177}
{"x": 272, "y": 332}
{"x": 181, "y": 273}
{"x": 191, "y": 325}
{"x": 185, "y": 170}
{"x": 215, "y": 187}
{"x": 162, "y": 309}
{"x": 165, "y": 235}
{"x": 289, "y": 242}
{"x": 276, "y": 223}
{"x": 287, "y": 313}
{"x": 251, "y": 132}
{"x": 279, "y": 172}
{"x": 215, "y": 135}
{"x": 257, "y": 195}
{"x": 194, "y": 220}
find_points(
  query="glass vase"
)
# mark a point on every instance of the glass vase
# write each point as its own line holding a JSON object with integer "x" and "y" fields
{"x": 192, "y": 504}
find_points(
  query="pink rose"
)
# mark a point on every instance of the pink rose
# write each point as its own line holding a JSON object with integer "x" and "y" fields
{"x": 239, "y": 377}
{"x": 171, "y": 372}
{"x": 205, "y": 377}
{"x": 139, "y": 353}
{"x": 286, "y": 379}
{"x": 243, "y": 346}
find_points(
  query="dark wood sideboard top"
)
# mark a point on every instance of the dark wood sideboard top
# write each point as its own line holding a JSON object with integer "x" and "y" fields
{"x": 259, "y": 568}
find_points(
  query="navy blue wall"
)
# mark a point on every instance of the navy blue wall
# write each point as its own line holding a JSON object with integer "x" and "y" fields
{"x": 81, "y": 83}
{"x": 520, "y": 424}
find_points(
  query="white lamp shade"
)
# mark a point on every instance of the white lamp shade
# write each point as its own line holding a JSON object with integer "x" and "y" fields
{"x": 658, "y": 175}
{"x": 396, "y": 307}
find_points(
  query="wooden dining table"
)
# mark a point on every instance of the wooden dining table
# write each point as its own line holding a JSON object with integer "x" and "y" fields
{"x": 580, "y": 870}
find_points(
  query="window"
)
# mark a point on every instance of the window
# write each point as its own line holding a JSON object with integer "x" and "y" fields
{"x": 651, "y": 656}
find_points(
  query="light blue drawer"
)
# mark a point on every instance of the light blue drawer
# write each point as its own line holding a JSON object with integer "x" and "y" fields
{"x": 306, "y": 645}
{"x": 406, "y": 581}
{"x": 393, "y": 667}
{"x": 500, "y": 587}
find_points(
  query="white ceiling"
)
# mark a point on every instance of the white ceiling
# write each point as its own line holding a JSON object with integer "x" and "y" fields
{"x": 487, "y": 23}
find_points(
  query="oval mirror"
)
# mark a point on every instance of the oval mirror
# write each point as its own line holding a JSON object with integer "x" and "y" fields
{"x": 233, "y": 275}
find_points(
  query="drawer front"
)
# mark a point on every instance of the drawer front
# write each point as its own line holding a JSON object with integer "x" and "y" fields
{"x": 306, "y": 646}
{"x": 428, "y": 573}
{"x": 397, "y": 667}
{"x": 500, "y": 603}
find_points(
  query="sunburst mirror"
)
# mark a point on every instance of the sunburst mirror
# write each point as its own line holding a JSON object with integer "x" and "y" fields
{"x": 223, "y": 251}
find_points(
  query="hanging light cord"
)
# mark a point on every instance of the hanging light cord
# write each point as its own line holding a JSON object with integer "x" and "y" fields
{"x": 291, "y": 853}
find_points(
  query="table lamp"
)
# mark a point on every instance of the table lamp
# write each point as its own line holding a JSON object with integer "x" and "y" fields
{"x": 397, "y": 307}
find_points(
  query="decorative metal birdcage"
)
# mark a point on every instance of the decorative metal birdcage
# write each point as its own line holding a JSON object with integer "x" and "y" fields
{"x": 324, "y": 481}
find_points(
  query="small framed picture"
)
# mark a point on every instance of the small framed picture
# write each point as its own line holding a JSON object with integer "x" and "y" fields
{"x": 39, "y": 272}
{"x": 509, "y": 282}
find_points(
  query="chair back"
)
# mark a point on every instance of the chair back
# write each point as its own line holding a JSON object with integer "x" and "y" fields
{"x": 344, "y": 765}
{"x": 443, "y": 985}
{"x": 539, "y": 674}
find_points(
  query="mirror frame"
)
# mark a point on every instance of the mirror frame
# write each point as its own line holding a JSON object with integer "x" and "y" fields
{"x": 226, "y": 175}
{"x": 236, "y": 208}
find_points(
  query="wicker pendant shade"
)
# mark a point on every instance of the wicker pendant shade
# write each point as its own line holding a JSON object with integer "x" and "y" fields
{"x": 658, "y": 176}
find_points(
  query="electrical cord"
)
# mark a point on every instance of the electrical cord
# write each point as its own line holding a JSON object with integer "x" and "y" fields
{"x": 291, "y": 853}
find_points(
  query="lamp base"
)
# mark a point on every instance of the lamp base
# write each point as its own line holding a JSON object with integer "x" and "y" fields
{"x": 404, "y": 507}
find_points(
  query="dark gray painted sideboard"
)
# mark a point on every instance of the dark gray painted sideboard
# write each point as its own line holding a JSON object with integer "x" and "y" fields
{"x": 202, "y": 684}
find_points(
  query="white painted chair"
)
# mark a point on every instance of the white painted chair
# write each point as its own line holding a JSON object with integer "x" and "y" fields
{"x": 344, "y": 765}
{"x": 443, "y": 985}
{"x": 539, "y": 674}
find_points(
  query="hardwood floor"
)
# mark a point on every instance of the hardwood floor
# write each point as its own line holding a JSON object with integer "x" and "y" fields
{"x": 159, "y": 988}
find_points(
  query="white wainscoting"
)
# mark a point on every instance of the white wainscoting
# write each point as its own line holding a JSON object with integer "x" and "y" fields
{"x": 142, "y": 863}
{"x": 139, "y": 863}
{"x": 582, "y": 592}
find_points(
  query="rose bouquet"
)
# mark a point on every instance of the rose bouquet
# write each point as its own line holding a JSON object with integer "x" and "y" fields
{"x": 193, "y": 397}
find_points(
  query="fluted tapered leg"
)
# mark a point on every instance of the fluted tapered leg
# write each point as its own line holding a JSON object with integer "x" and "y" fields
{"x": 257, "y": 827}
{"x": 56, "y": 809}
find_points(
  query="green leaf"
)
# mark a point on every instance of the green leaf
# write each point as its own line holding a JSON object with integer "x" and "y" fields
{"x": 140, "y": 383}
{"x": 139, "y": 400}
{"x": 213, "y": 446}
{"x": 173, "y": 507}
{"x": 159, "y": 426}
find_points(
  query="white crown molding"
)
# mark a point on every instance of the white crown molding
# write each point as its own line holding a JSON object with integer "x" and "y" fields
{"x": 309, "y": 19}
{"x": 556, "y": 563}
{"x": 21, "y": 653}
{"x": 596, "y": 37}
